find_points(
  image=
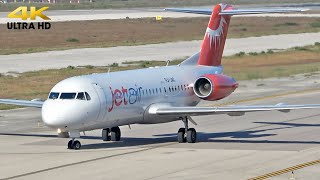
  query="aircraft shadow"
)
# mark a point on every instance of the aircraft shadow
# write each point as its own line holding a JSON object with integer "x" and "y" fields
{"x": 245, "y": 136}
{"x": 29, "y": 135}
{"x": 130, "y": 142}
{"x": 125, "y": 141}
{"x": 289, "y": 124}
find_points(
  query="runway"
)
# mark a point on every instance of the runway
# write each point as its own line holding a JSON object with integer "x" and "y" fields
{"x": 228, "y": 148}
{"x": 164, "y": 52}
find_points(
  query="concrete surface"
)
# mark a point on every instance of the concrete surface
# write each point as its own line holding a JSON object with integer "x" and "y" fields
{"x": 228, "y": 148}
{"x": 165, "y": 51}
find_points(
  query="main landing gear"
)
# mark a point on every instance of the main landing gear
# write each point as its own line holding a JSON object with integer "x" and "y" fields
{"x": 74, "y": 144}
{"x": 113, "y": 134}
{"x": 187, "y": 134}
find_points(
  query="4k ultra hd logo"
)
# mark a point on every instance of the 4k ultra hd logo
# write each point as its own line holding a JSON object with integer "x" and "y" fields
{"x": 24, "y": 15}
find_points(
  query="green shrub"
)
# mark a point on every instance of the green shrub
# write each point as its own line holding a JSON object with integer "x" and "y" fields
{"x": 253, "y": 53}
{"x": 270, "y": 51}
{"x": 240, "y": 54}
{"x": 70, "y": 67}
{"x": 299, "y": 48}
{"x": 72, "y": 40}
{"x": 315, "y": 24}
{"x": 287, "y": 24}
{"x": 89, "y": 67}
{"x": 114, "y": 65}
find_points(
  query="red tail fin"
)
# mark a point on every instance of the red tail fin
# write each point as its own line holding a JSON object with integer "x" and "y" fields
{"x": 215, "y": 37}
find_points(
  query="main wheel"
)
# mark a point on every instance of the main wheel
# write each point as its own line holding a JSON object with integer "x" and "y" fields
{"x": 70, "y": 145}
{"x": 115, "y": 134}
{"x": 76, "y": 145}
{"x": 181, "y": 137}
{"x": 191, "y": 135}
{"x": 105, "y": 134}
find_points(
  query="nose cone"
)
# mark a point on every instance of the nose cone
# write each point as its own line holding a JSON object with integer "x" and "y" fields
{"x": 63, "y": 114}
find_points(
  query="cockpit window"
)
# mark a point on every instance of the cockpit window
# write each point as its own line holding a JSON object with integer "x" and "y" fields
{"x": 88, "y": 96}
{"x": 68, "y": 95}
{"x": 81, "y": 96}
{"x": 54, "y": 95}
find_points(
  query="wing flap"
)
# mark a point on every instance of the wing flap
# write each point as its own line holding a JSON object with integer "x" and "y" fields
{"x": 35, "y": 103}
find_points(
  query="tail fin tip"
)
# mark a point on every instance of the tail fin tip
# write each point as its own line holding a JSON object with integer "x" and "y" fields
{"x": 215, "y": 37}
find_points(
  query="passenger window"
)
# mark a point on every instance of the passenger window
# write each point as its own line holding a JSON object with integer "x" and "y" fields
{"x": 150, "y": 91}
{"x": 54, "y": 95}
{"x": 165, "y": 90}
{"x": 153, "y": 91}
{"x": 160, "y": 90}
{"x": 87, "y": 96}
{"x": 81, "y": 96}
{"x": 68, "y": 95}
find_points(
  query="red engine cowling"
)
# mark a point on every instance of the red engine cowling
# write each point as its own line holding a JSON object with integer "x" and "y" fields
{"x": 214, "y": 86}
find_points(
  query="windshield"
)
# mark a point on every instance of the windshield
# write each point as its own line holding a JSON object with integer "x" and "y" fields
{"x": 68, "y": 95}
{"x": 81, "y": 96}
{"x": 54, "y": 95}
{"x": 88, "y": 96}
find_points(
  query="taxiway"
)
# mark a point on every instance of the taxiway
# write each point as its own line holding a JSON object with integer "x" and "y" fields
{"x": 228, "y": 148}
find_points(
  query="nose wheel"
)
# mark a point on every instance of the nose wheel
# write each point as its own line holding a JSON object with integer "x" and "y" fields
{"x": 187, "y": 134}
{"x": 74, "y": 144}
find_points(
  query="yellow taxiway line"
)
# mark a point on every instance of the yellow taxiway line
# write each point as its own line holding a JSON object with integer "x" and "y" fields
{"x": 286, "y": 170}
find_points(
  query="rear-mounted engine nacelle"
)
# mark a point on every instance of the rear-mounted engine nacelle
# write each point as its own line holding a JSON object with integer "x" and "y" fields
{"x": 214, "y": 86}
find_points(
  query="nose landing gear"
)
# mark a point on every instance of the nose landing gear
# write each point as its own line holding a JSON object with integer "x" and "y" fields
{"x": 74, "y": 144}
{"x": 187, "y": 134}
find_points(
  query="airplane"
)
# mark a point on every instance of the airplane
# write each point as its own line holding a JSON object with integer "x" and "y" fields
{"x": 151, "y": 95}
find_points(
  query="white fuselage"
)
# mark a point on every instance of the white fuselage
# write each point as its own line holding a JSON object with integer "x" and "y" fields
{"x": 121, "y": 98}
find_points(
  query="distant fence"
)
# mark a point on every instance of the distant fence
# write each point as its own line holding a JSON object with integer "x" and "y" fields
{"x": 46, "y": 1}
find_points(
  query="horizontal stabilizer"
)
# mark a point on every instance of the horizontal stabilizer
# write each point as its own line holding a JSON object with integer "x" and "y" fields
{"x": 237, "y": 11}
{"x": 259, "y": 11}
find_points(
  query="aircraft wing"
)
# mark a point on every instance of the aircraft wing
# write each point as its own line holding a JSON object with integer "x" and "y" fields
{"x": 236, "y": 11}
{"x": 229, "y": 110}
{"x": 32, "y": 103}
